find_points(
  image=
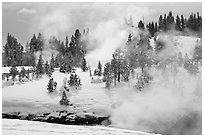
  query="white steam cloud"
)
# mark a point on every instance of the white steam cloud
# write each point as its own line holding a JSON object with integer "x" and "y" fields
{"x": 104, "y": 40}
{"x": 171, "y": 104}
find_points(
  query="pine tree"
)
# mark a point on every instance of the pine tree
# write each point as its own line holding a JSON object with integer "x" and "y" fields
{"x": 23, "y": 72}
{"x": 197, "y": 54}
{"x": 83, "y": 65}
{"x": 47, "y": 67}
{"x": 165, "y": 23}
{"x": 161, "y": 23}
{"x": 178, "y": 23}
{"x": 99, "y": 68}
{"x": 50, "y": 85}
{"x": 40, "y": 42}
{"x": 155, "y": 27}
{"x": 114, "y": 68}
{"x": 107, "y": 74}
{"x": 13, "y": 51}
{"x": 141, "y": 25}
{"x": 52, "y": 63}
{"x": 170, "y": 20}
{"x": 39, "y": 67}
{"x": 33, "y": 44}
{"x": 125, "y": 70}
{"x": 13, "y": 71}
{"x": 64, "y": 100}
{"x": 182, "y": 23}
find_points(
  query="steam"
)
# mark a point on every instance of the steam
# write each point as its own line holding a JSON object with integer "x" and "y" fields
{"x": 167, "y": 106}
{"x": 171, "y": 104}
{"x": 54, "y": 24}
{"x": 104, "y": 40}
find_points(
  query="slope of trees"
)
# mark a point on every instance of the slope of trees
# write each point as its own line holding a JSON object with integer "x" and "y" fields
{"x": 179, "y": 23}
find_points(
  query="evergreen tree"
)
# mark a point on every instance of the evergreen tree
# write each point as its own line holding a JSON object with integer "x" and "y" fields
{"x": 161, "y": 23}
{"x": 39, "y": 67}
{"x": 50, "y": 85}
{"x": 155, "y": 27}
{"x": 64, "y": 100}
{"x": 129, "y": 38}
{"x": 114, "y": 68}
{"x": 141, "y": 25}
{"x": 40, "y": 42}
{"x": 34, "y": 44}
{"x": 13, "y": 51}
{"x": 170, "y": 20}
{"x": 197, "y": 54}
{"x": 178, "y": 23}
{"x": 13, "y": 71}
{"x": 52, "y": 63}
{"x": 165, "y": 23}
{"x": 23, "y": 72}
{"x": 107, "y": 74}
{"x": 182, "y": 23}
{"x": 83, "y": 65}
{"x": 125, "y": 70}
{"x": 99, "y": 68}
{"x": 47, "y": 67}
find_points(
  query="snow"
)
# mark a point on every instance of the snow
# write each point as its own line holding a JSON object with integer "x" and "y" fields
{"x": 6, "y": 69}
{"x": 33, "y": 96}
{"x": 23, "y": 127}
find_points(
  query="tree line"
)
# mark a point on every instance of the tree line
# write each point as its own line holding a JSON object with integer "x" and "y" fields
{"x": 169, "y": 22}
{"x": 69, "y": 53}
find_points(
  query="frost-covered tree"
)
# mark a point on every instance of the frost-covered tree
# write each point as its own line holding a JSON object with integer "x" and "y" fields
{"x": 107, "y": 74}
{"x": 114, "y": 67}
{"x": 197, "y": 55}
{"x": 125, "y": 70}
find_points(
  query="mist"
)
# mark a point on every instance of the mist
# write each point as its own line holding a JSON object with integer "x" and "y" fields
{"x": 169, "y": 105}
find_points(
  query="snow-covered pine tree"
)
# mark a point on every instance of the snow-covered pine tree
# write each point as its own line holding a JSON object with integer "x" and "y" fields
{"x": 50, "y": 85}
{"x": 125, "y": 70}
{"x": 99, "y": 69}
{"x": 13, "y": 72}
{"x": 23, "y": 72}
{"x": 83, "y": 65}
{"x": 107, "y": 74}
{"x": 47, "y": 67}
{"x": 39, "y": 67}
{"x": 52, "y": 63}
{"x": 64, "y": 100}
{"x": 20, "y": 77}
{"x": 114, "y": 67}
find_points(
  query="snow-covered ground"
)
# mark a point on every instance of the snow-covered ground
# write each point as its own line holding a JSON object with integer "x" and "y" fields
{"x": 6, "y": 69}
{"x": 23, "y": 127}
{"x": 33, "y": 96}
